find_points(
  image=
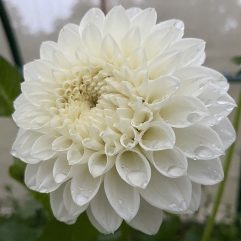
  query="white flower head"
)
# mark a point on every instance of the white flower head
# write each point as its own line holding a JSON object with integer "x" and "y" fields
{"x": 120, "y": 118}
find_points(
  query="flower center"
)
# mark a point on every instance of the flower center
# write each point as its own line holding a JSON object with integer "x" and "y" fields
{"x": 83, "y": 91}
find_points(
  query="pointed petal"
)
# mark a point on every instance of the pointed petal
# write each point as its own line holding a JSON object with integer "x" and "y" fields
{"x": 83, "y": 186}
{"x": 72, "y": 208}
{"x": 61, "y": 143}
{"x": 133, "y": 168}
{"x": 157, "y": 136}
{"x": 94, "y": 222}
{"x": 206, "y": 172}
{"x": 132, "y": 12}
{"x": 75, "y": 154}
{"x": 145, "y": 20}
{"x": 158, "y": 90}
{"x": 182, "y": 111}
{"x": 104, "y": 213}
{"x": 116, "y": 23}
{"x": 169, "y": 194}
{"x": 148, "y": 219}
{"x": 226, "y": 132}
{"x": 45, "y": 182}
{"x": 124, "y": 199}
{"x": 61, "y": 169}
{"x": 99, "y": 163}
{"x": 57, "y": 205}
{"x": 170, "y": 162}
{"x": 196, "y": 198}
{"x": 200, "y": 142}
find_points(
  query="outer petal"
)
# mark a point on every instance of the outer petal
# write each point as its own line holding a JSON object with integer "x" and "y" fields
{"x": 226, "y": 132}
{"x": 44, "y": 177}
{"x": 206, "y": 172}
{"x": 133, "y": 168}
{"x": 61, "y": 169}
{"x": 104, "y": 213}
{"x": 83, "y": 186}
{"x": 145, "y": 20}
{"x": 124, "y": 199}
{"x": 196, "y": 198}
{"x": 57, "y": 205}
{"x": 170, "y": 162}
{"x": 70, "y": 205}
{"x": 169, "y": 194}
{"x": 200, "y": 142}
{"x": 116, "y": 23}
{"x": 182, "y": 111}
{"x": 148, "y": 219}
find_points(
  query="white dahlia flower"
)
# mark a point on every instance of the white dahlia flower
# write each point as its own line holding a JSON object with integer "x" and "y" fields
{"x": 119, "y": 119}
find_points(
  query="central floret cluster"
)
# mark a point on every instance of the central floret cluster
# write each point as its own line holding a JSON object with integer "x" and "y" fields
{"x": 120, "y": 119}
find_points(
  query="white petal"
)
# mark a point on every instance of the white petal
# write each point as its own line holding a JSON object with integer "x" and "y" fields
{"x": 61, "y": 169}
{"x": 69, "y": 39}
{"x": 158, "y": 90}
{"x": 157, "y": 136}
{"x": 45, "y": 182}
{"x": 30, "y": 175}
{"x": 226, "y": 132}
{"x": 192, "y": 51}
{"x": 165, "y": 64}
{"x": 92, "y": 38}
{"x": 99, "y": 163}
{"x": 93, "y": 16}
{"x": 61, "y": 143}
{"x": 133, "y": 168}
{"x": 148, "y": 219}
{"x": 116, "y": 23}
{"x": 206, "y": 172}
{"x": 124, "y": 199}
{"x": 182, "y": 111}
{"x": 22, "y": 146}
{"x": 94, "y": 222}
{"x": 83, "y": 186}
{"x": 200, "y": 142}
{"x": 196, "y": 198}
{"x": 42, "y": 148}
{"x": 145, "y": 20}
{"x": 129, "y": 139}
{"x": 104, "y": 213}
{"x": 57, "y": 205}
{"x": 75, "y": 154}
{"x": 162, "y": 36}
{"x": 170, "y": 163}
{"x": 169, "y": 194}
{"x": 69, "y": 203}
{"x": 132, "y": 12}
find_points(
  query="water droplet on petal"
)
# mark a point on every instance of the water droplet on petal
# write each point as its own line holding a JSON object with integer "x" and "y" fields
{"x": 203, "y": 152}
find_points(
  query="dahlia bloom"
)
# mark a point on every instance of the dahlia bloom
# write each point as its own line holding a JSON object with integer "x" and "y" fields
{"x": 120, "y": 119}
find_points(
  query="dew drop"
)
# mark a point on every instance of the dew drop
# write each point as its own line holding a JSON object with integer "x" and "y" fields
{"x": 203, "y": 152}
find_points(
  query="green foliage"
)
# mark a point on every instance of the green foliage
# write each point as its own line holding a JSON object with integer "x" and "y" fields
{"x": 9, "y": 87}
{"x": 16, "y": 170}
{"x": 236, "y": 60}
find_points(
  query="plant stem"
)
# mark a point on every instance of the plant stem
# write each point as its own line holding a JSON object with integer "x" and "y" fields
{"x": 210, "y": 223}
{"x": 12, "y": 41}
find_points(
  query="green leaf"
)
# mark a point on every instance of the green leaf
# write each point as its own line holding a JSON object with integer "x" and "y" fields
{"x": 9, "y": 87}
{"x": 236, "y": 60}
{"x": 81, "y": 230}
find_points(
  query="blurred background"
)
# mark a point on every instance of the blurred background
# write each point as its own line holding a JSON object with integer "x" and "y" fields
{"x": 218, "y": 22}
